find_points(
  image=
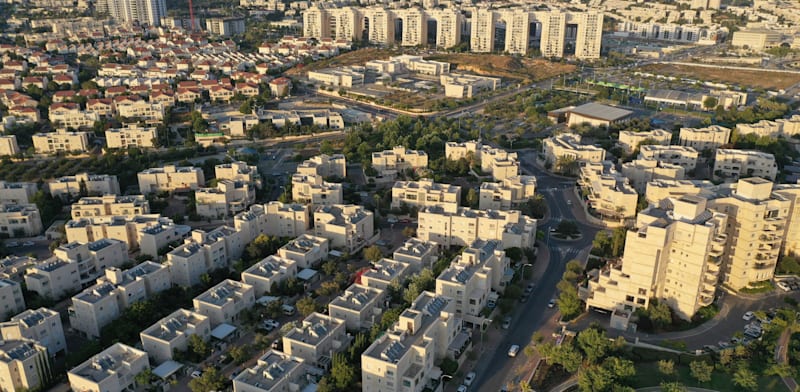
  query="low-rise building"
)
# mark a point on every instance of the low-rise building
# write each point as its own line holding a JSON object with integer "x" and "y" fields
{"x": 425, "y": 193}
{"x": 730, "y": 165}
{"x": 13, "y": 301}
{"x": 60, "y": 141}
{"x": 359, "y": 306}
{"x": 346, "y": 226}
{"x": 277, "y": 371}
{"x": 389, "y": 162}
{"x": 468, "y": 150}
{"x": 202, "y": 253}
{"x": 267, "y": 274}
{"x": 24, "y": 365}
{"x": 224, "y": 302}
{"x": 312, "y": 189}
{"x": 273, "y": 219}
{"x": 418, "y": 253}
{"x": 42, "y": 325}
{"x": 148, "y": 233}
{"x": 466, "y": 225}
{"x": 324, "y": 165}
{"x": 113, "y": 370}
{"x": 20, "y": 220}
{"x": 13, "y": 267}
{"x": 568, "y": 145}
{"x": 385, "y": 273}
{"x": 307, "y": 250}
{"x": 171, "y": 334}
{"x": 709, "y": 138}
{"x": 149, "y": 112}
{"x": 110, "y": 205}
{"x": 501, "y": 163}
{"x": 630, "y": 140}
{"x": 460, "y": 85}
{"x": 641, "y": 171}
{"x": 597, "y": 115}
{"x": 131, "y": 135}
{"x": 17, "y": 192}
{"x": 8, "y": 145}
{"x": 685, "y": 157}
{"x": 53, "y": 279}
{"x": 170, "y": 178}
{"x": 340, "y": 77}
{"x": 509, "y": 193}
{"x": 756, "y": 39}
{"x": 786, "y": 127}
{"x": 238, "y": 171}
{"x": 83, "y": 184}
{"x": 228, "y": 198}
{"x": 316, "y": 339}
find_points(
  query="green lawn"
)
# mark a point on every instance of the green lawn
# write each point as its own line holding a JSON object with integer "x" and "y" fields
{"x": 647, "y": 375}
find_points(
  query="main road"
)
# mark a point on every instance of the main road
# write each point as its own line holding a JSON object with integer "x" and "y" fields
{"x": 495, "y": 372}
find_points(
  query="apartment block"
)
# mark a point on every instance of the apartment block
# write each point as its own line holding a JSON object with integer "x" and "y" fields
{"x": 425, "y": 193}
{"x": 273, "y": 219}
{"x": 791, "y": 238}
{"x": 238, "y": 171}
{"x": 8, "y": 145}
{"x": 17, "y": 192}
{"x": 93, "y": 257}
{"x": 501, "y": 163}
{"x": 346, "y": 226}
{"x": 267, "y": 274}
{"x": 113, "y": 370}
{"x": 730, "y": 165}
{"x": 403, "y": 358}
{"x": 170, "y": 178}
{"x": 509, "y": 193}
{"x": 468, "y": 150}
{"x": 53, "y": 278}
{"x": 786, "y": 127}
{"x": 149, "y": 112}
{"x": 757, "y": 219}
{"x": 110, "y": 205}
{"x": 379, "y": 26}
{"x": 658, "y": 190}
{"x": 203, "y": 252}
{"x": 385, "y": 273}
{"x": 414, "y": 28}
{"x": 609, "y": 193}
{"x": 316, "y": 339}
{"x": 60, "y": 141}
{"x": 324, "y": 165}
{"x": 13, "y": 302}
{"x": 345, "y": 23}
{"x": 673, "y": 254}
{"x": 223, "y": 302}
{"x": 306, "y": 250}
{"x": 465, "y": 225}
{"x": 225, "y": 26}
{"x": 41, "y": 325}
{"x": 226, "y": 199}
{"x": 685, "y": 157}
{"x": 312, "y": 189}
{"x": 448, "y": 26}
{"x": 70, "y": 115}
{"x": 277, "y": 371}
{"x": 171, "y": 334}
{"x": 708, "y": 138}
{"x": 131, "y": 135}
{"x": 14, "y": 267}
{"x": 640, "y": 172}
{"x": 20, "y": 220}
{"x": 359, "y": 306}
{"x": 418, "y": 253}
{"x": 390, "y": 162}
{"x": 568, "y": 145}
{"x": 629, "y": 140}
{"x": 24, "y": 365}
{"x": 148, "y": 233}
{"x": 84, "y": 184}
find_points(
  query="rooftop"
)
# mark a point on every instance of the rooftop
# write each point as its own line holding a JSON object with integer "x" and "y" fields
{"x": 314, "y": 329}
{"x": 271, "y": 369}
{"x": 112, "y": 360}
{"x": 180, "y": 322}
{"x": 270, "y": 266}
{"x": 224, "y": 292}
{"x": 601, "y": 112}
{"x": 19, "y": 350}
{"x": 304, "y": 244}
{"x": 356, "y": 297}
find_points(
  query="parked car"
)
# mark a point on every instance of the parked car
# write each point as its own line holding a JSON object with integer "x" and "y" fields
{"x": 196, "y": 374}
{"x": 469, "y": 378}
{"x": 12, "y": 244}
{"x": 784, "y": 286}
{"x": 513, "y": 350}
{"x": 270, "y": 324}
{"x": 552, "y": 303}
{"x": 530, "y": 288}
{"x": 748, "y": 316}
{"x": 462, "y": 388}
{"x": 506, "y": 322}
{"x": 28, "y": 243}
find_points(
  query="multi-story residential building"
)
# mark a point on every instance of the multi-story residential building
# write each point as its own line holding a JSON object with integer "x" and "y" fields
{"x": 131, "y": 135}
{"x": 630, "y": 140}
{"x": 685, "y": 157}
{"x": 110, "y": 205}
{"x": 60, "y": 141}
{"x": 414, "y": 29}
{"x": 359, "y": 306}
{"x": 203, "y": 252}
{"x": 468, "y": 150}
{"x": 148, "y": 233}
{"x": 403, "y": 358}
{"x": 609, "y": 193}
{"x": 24, "y": 365}
{"x": 757, "y": 219}
{"x": 13, "y": 302}
{"x": 307, "y": 250}
{"x": 425, "y": 193}
{"x": 708, "y": 138}
{"x": 786, "y": 127}
{"x": 94, "y": 308}
{"x": 344, "y": 23}
{"x": 170, "y": 178}
{"x": 673, "y": 255}
{"x": 171, "y": 334}
{"x": 273, "y": 219}
{"x": 312, "y": 189}
{"x": 20, "y": 220}
{"x": 14, "y": 267}
{"x": 17, "y": 192}
{"x": 658, "y": 190}
{"x": 568, "y": 145}
{"x": 501, "y": 163}
{"x": 226, "y": 199}
{"x": 238, "y": 171}
{"x": 144, "y": 11}
{"x": 641, "y": 171}
{"x": 390, "y": 162}
{"x": 466, "y": 225}
{"x": 419, "y": 254}
{"x": 267, "y": 274}
{"x": 225, "y": 26}
{"x": 730, "y": 165}
{"x": 379, "y": 26}
{"x": 42, "y": 325}
{"x": 223, "y": 302}
{"x": 84, "y": 184}
{"x": 472, "y": 277}
{"x": 449, "y": 23}
{"x": 53, "y": 278}
{"x": 8, "y": 145}
{"x": 509, "y": 193}
{"x": 277, "y": 371}
{"x": 113, "y": 370}
{"x": 346, "y": 226}
{"x": 385, "y": 273}
{"x": 70, "y": 115}
{"x": 324, "y": 165}
{"x": 316, "y": 339}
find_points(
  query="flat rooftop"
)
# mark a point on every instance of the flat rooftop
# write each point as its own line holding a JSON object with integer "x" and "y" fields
{"x": 178, "y": 323}
{"x": 314, "y": 329}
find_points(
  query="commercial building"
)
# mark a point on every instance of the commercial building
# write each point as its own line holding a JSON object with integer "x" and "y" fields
{"x": 461, "y": 85}
{"x": 756, "y": 39}
{"x": 266, "y": 275}
{"x": 640, "y": 172}
{"x": 464, "y": 226}
{"x": 131, "y": 135}
{"x": 13, "y": 301}
{"x": 730, "y": 165}
{"x": 20, "y": 220}
{"x": 509, "y": 193}
{"x": 113, "y": 370}
{"x": 316, "y": 339}
{"x": 389, "y": 162}
{"x": 346, "y": 226}
{"x": 671, "y": 32}
{"x": 568, "y": 145}
{"x": 170, "y": 178}
{"x": 359, "y": 306}
{"x": 110, "y": 205}
{"x": 224, "y": 302}
{"x": 17, "y": 192}
{"x": 84, "y": 184}
{"x": 171, "y": 334}
{"x": 312, "y": 189}
{"x": 708, "y": 138}
{"x": 425, "y": 193}
{"x": 597, "y": 115}
{"x": 24, "y": 365}
{"x": 345, "y": 77}
{"x": 307, "y": 250}
{"x": 609, "y": 193}
{"x": 226, "y": 199}
{"x": 277, "y": 371}
{"x": 41, "y": 325}
{"x": 629, "y": 140}
{"x": 60, "y": 141}
{"x": 685, "y": 157}
{"x": 324, "y": 165}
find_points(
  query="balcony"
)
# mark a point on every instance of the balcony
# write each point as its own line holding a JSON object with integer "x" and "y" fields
{"x": 764, "y": 266}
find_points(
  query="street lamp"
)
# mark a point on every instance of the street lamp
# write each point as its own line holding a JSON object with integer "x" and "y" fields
{"x": 522, "y": 270}
{"x": 483, "y": 329}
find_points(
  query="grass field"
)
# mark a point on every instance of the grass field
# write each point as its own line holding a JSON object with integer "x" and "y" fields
{"x": 756, "y": 78}
{"x": 647, "y": 375}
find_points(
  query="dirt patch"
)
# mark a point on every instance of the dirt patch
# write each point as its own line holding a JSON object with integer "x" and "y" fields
{"x": 757, "y": 78}
{"x": 505, "y": 66}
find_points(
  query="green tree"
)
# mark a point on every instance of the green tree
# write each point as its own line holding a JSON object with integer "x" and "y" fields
{"x": 240, "y": 354}
{"x": 618, "y": 241}
{"x": 594, "y": 343}
{"x": 568, "y": 228}
{"x": 710, "y": 103}
{"x": 666, "y": 367}
{"x": 373, "y": 253}
{"x": 619, "y": 368}
{"x": 326, "y": 147}
{"x": 568, "y": 301}
{"x": 595, "y": 378}
{"x": 409, "y": 232}
{"x": 198, "y": 346}
{"x": 145, "y": 378}
{"x": 567, "y": 356}
{"x": 342, "y": 373}
{"x": 210, "y": 380}
{"x": 306, "y": 306}
{"x": 673, "y": 387}
{"x": 660, "y": 313}
{"x": 472, "y": 198}
{"x": 329, "y": 268}
{"x": 701, "y": 371}
{"x": 246, "y": 107}
{"x": 745, "y": 378}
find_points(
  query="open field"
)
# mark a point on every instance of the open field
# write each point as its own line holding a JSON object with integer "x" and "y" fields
{"x": 756, "y": 78}
{"x": 504, "y": 66}
{"x": 355, "y": 57}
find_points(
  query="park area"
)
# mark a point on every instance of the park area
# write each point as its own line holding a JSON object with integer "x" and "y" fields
{"x": 756, "y": 78}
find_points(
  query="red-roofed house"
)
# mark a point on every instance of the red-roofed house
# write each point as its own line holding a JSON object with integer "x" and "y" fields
{"x": 280, "y": 87}
{"x": 221, "y": 93}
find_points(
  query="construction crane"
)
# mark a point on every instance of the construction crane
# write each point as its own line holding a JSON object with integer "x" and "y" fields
{"x": 191, "y": 16}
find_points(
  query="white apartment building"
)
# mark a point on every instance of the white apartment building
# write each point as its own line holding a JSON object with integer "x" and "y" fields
{"x": 312, "y": 189}
{"x": 673, "y": 254}
{"x": 640, "y": 172}
{"x": 685, "y": 157}
{"x": 414, "y": 30}
{"x": 568, "y": 145}
{"x": 379, "y": 25}
{"x": 84, "y": 184}
{"x": 359, "y": 306}
{"x": 786, "y": 127}
{"x": 171, "y": 334}
{"x": 306, "y": 250}
{"x": 17, "y": 192}
{"x": 170, "y": 178}
{"x": 267, "y": 274}
{"x": 228, "y": 198}
{"x": 20, "y": 220}
{"x": 238, "y": 171}
{"x": 324, "y": 165}
{"x": 147, "y": 12}
{"x": 42, "y": 325}
{"x": 469, "y": 150}
{"x": 225, "y": 26}
{"x": 113, "y": 370}
{"x": 14, "y": 267}
{"x": 131, "y": 135}
{"x": 403, "y": 358}
{"x": 346, "y": 226}
{"x": 418, "y": 253}
{"x": 385, "y": 273}
{"x": 277, "y": 371}
{"x": 708, "y": 138}
{"x": 501, "y": 163}
{"x": 93, "y": 309}
{"x": 149, "y": 112}
{"x": 345, "y": 77}
{"x": 24, "y": 365}
{"x": 53, "y": 279}
{"x": 466, "y": 225}
{"x": 316, "y": 339}
{"x": 8, "y": 145}
{"x": 609, "y": 193}
{"x": 730, "y": 165}
{"x": 509, "y": 193}
{"x": 273, "y": 219}
{"x": 425, "y": 193}
{"x": 148, "y": 233}
{"x": 223, "y": 302}
{"x": 60, "y": 141}
{"x": 390, "y": 162}
{"x": 629, "y": 140}
{"x": 110, "y": 205}
{"x": 202, "y": 253}
{"x": 13, "y": 302}
{"x": 658, "y": 190}
{"x": 70, "y": 115}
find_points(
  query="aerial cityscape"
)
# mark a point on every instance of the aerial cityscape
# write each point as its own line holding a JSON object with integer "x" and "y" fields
{"x": 399, "y": 195}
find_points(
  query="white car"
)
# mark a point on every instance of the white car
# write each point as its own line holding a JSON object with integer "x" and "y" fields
{"x": 28, "y": 243}
{"x": 469, "y": 378}
{"x": 270, "y": 324}
{"x": 462, "y": 388}
{"x": 748, "y": 316}
{"x": 12, "y": 244}
{"x": 552, "y": 303}
{"x": 512, "y": 352}
{"x": 506, "y": 322}
{"x": 196, "y": 374}
{"x": 784, "y": 286}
